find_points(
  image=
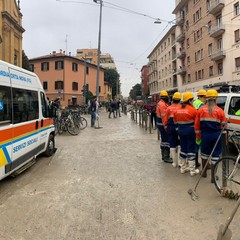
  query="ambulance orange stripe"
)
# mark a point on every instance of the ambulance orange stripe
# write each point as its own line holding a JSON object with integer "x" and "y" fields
{"x": 235, "y": 121}
{"x": 8, "y": 134}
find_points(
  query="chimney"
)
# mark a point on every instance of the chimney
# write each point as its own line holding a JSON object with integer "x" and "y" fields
{"x": 64, "y": 52}
{"x": 69, "y": 53}
{"x": 61, "y": 51}
{"x": 54, "y": 52}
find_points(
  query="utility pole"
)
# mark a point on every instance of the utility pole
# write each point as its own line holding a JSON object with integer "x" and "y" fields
{"x": 85, "y": 80}
{"x": 99, "y": 48}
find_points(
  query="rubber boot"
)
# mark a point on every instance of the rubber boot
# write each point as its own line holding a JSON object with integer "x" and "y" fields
{"x": 197, "y": 164}
{"x": 166, "y": 155}
{"x": 174, "y": 157}
{"x": 192, "y": 168}
{"x": 204, "y": 173}
{"x": 212, "y": 173}
{"x": 162, "y": 153}
{"x": 184, "y": 166}
{"x": 178, "y": 149}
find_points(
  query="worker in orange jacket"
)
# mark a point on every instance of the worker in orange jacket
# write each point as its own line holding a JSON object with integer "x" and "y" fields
{"x": 161, "y": 115}
{"x": 184, "y": 117}
{"x": 170, "y": 127}
{"x": 208, "y": 124}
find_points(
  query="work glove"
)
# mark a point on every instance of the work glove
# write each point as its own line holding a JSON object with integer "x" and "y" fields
{"x": 198, "y": 141}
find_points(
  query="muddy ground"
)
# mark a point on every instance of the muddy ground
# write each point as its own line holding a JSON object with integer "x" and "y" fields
{"x": 109, "y": 183}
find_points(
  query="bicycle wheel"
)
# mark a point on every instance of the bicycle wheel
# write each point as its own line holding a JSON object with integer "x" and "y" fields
{"x": 227, "y": 176}
{"x": 73, "y": 128}
{"x": 82, "y": 123}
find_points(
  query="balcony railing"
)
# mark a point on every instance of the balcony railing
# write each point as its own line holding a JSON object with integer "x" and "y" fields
{"x": 180, "y": 37}
{"x": 218, "y": 56}
{"x": 217, "y": 31}
{"x": 216, "y": 7}
{"x": 180, "y": 21}
{"x": 181, "y": 54}
{"x": 181, "y": 71}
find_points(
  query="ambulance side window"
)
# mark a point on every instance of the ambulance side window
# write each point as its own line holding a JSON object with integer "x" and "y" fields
{"x": 25, "y": 105}
{"x": 221, "y": 101}
{"x": 234, "y": 106}
{"x": 5, "y": 105}
{"x": 44, "y": 105}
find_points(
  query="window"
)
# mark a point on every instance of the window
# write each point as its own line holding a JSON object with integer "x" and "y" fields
{"x": 87, "y": 70}
{"x": 219, "y": 20}
{"x": 199, "y": 55}
{"x": 237, "y": 35}
{"x": 210, "y": 49}
{"x": 189, "y": 78}
{"x": 219, "y": 44}
{"x": 188, "y": 60}
{"x": 237, "y": 63}
{"x": 59, "y": 85}
{"x": 44, "y": 66}
{"x": 236, "y": 9}
{"x": 187, "y": 25}
{"x": 45, "y": 85}
{"x": 5, "y": 104}
{"x": 74, "y": 67}
{"x": 220, "y": 68}
{"x": 188, "y": 42}
{"x": 59, "y": 65}
{"x": 234, "y": 105}
{"x": 44, "y": 105}
{"x": 210, "y": 71}
{"x": 221, "y": 100}
{"x": 75, "y": 86}
{"x": 197, "y": 15}
{"x": 25, "y": 105}
{"x": 31, "y": 67}
{"x": 208, "y": 4}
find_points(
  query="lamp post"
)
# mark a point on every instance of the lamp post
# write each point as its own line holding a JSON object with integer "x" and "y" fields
{"x": 99, "y": 48}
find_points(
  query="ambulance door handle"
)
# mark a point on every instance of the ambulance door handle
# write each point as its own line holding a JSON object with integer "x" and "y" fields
{"x": 36, "y": 124}
{"x": 42, "y": 123}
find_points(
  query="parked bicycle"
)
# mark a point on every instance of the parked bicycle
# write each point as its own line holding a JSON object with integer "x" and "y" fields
{"x": 81, "y": 120}
{"x": 226, "y": 173}
{"x": 67, "y": 122}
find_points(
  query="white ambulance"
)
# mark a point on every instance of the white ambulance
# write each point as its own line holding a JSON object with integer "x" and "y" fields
{"x": 26, "y": 129}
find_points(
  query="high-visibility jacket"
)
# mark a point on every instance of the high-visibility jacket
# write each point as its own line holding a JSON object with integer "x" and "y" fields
{"x": 161, "y": 111}
{"x": 209, "y": 123}
{"x": 198, "y": 103}
{"x": 184, "y": 118}
{"x": 168, "y": 120}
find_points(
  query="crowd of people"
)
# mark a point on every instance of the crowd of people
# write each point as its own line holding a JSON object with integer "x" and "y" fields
{"x": 187, "y": 126}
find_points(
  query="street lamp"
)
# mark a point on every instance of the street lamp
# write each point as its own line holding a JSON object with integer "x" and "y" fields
{"x": 99, "y": 48}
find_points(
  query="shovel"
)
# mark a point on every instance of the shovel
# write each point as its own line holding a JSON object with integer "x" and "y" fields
{"x": 193, "y": 192}
{"x": 224, "y": 233}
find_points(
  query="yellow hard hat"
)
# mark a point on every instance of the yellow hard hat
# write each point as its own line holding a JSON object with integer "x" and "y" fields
{"x": 202, "y": 92}
{"x": 163, "y": 93}
{"x": 177, "y": 95}
{"x": 187, "y": 96}
{"x": 212, "y": 93}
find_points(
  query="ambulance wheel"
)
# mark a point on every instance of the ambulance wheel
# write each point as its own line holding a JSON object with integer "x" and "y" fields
{"x": 50, "y": 147}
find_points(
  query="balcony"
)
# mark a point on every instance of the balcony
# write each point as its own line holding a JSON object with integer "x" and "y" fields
{"x": 180, "y": 38}
{"x": 181, "y": 71}
{"x": 216, "y": 7}
{"x": 218, "y": 56}
{"x": 181, "y": 54}
{"x": 174, "y": 71}
{"x": 180, "y": 21}
{"x": 217, "y": 31}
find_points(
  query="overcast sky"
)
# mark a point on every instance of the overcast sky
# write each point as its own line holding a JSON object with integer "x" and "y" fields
{"x": 128, "y": 30}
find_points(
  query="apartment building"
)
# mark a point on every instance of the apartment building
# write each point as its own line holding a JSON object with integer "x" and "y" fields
{"x": 11, "y": 31}
{"x": 91, "y": 55}
{"x": 64, "y": 76}
{"x": 163, "y": 65}
{"x": 207, "y": 43}
{"x": 145, "y": 80}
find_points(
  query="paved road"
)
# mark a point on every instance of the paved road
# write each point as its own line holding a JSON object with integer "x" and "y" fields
{"x": 109, "y": 184}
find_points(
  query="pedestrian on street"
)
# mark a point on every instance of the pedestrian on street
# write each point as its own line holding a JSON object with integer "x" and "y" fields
{"x": 93, "y": 110}
{"x": 184, "y": 117}
{"x": 111, "y": 109}
{"x": 170, "y": 127}
{"x": 161, "y": 114}
{"x": 199, "y": 102}
{"x": 209, "y": 121}
{"x": 118, "y": 107}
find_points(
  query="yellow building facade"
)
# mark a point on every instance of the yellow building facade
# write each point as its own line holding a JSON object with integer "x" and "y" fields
{"x": 11, "y": 31}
